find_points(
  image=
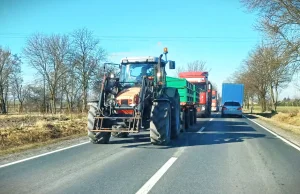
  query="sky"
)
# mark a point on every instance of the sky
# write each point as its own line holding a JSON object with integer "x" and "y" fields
{"x": 217, "y": 31}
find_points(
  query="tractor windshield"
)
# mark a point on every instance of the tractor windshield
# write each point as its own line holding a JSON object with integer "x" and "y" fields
{"x": 131, "y": 73}
{"x": 201, "y": 86}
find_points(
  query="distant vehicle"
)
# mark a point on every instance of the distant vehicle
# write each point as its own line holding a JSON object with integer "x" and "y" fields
{"x": 201, "y": 83}
{"x": 214, "y": 101}
{"x": 232, "y": 99}
{"x": 232, "y": 108}
{"x": 232, "y": 92}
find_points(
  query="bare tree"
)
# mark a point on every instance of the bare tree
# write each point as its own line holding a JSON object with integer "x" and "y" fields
{"x": 280, "y": 71}
{"x": 265, "y": 71}
{"x": 49, "y": 56}
{"x": 8, "y": 65}
{"x": 244, "y": 77}
{"x": 197, "y": 65}
{"x": 87, "y": 58}
{"x": 5, "y": 70}
{"x": 72, "y": 90}
{"x": 16, "y": 86}
{"x": 33, "y": 94}
{"x": 280, "y": 20}
{"x": 256, "y": 71}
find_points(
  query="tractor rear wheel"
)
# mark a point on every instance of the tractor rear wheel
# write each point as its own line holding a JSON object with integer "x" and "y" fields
{"x": 175, "y": 117}
{"x": 187, "y": 119}
{"x": 97, "y": 137}
{"x": 160, "y": 125}
{"x": 182, "y": 121}
{"x": 191, "y": 112}
{"x": 195, "y": 116}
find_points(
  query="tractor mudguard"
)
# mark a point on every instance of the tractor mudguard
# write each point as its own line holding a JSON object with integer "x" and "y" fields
{"x": 170, "y": 92}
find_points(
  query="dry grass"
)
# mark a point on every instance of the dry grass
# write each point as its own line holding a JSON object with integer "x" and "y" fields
{"x": 288, "y": 109}
{"x": 283, "y": 125}
{"x": 24, "y": 147}
{"x": 287, "y": 118}
{"x": 24, "y": 131}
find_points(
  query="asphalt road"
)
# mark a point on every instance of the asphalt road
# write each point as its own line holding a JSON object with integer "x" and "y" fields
{"x": 229, "y": 155}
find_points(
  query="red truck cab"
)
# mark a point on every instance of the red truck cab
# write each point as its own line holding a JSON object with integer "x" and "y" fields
{"x": 200, "y": 79}
{"x": 214, "y": 101}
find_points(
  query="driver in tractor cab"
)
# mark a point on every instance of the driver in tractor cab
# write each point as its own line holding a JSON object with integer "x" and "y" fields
{"x": 142, "y": 74}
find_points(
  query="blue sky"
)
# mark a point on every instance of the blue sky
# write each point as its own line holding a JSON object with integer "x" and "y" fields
{"x": 217, "y": 31}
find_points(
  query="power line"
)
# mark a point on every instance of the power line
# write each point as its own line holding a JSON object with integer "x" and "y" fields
{"x": 145, "y": 39}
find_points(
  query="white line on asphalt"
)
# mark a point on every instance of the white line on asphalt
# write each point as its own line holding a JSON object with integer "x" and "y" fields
{"x": 153, "y": 180}
{"x": 202, "y": 128}
{"x": 37, "y": 156}
{"x": 283, "y": 139}
{"x": 211, "y": 119}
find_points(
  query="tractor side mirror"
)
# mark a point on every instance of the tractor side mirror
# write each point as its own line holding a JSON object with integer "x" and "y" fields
{"x": 171, "y": 64}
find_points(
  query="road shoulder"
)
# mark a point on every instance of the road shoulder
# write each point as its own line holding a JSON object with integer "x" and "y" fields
{"x": 288, "y": 135}
{"x": 7, "y": 158}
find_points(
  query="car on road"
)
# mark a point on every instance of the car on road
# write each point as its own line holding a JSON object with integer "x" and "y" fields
{"x": 232, "y": 108}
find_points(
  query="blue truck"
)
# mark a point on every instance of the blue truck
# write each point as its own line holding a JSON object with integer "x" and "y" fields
{"x": 232, "y": 92}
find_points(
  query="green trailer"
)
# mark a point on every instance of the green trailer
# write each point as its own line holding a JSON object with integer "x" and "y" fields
{"x": 189, "y": 98}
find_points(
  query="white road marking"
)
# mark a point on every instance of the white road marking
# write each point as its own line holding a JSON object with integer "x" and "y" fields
{"x": 178, "y": 152}
{"x": 37, "y": 156}
{"x": 278, "y": 136}
{"x": 155, "y": 178}
{"x": 202, "y": 128}
{"x": 211, "y": 119}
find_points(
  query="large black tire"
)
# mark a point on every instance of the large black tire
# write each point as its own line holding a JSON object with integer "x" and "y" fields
{"x": 96, "y": 137}
{"x": 187, "y": 119}
{"x": 175, "y": 117}
{"x": 160, "y": 125}
{"x": 191, "y": 112}
{"x": 195, "y": 116}
{"x": 182, "y": 121}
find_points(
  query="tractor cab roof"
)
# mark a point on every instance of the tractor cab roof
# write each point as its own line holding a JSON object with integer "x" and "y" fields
{"x": 140, "y": 60}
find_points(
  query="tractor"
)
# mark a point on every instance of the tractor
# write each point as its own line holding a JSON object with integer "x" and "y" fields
{"x": 135, "y": 100}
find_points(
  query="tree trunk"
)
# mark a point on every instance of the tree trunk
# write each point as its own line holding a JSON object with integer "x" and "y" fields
{"x": 21, "y": 107}
{"x": 6, "y": 100}
{"x": 272, "y": 98}
{"x": 276, "y": 97}
{"x": 84, "y": 101}
{"x": 263, "y": 102}
{"x": 53, "y": 103}
{"x": 68, "y": 102}
{"x": 14, "y": 104}
{"x": 61, "y": 104}
{"x": 3, "y": 106}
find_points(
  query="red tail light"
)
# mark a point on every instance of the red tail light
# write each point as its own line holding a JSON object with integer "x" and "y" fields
{"x": 224, "y": 108}
{"x": 136, "y": 99}
{"x": 240, "y": 108}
